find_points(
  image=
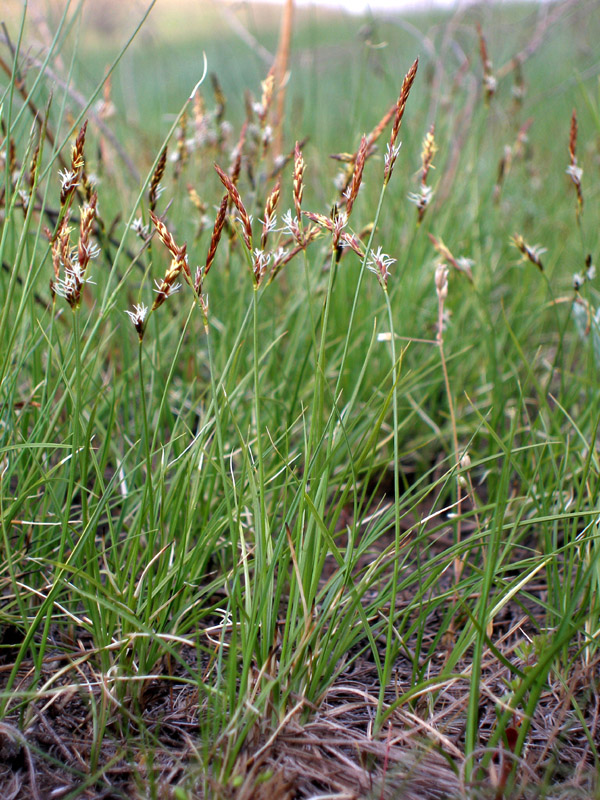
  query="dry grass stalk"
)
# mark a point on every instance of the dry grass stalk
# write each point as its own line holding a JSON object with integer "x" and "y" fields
{"x": 281, "y": 67}
{"x": 393, "y": 147}
{"x": 574, "y": 171}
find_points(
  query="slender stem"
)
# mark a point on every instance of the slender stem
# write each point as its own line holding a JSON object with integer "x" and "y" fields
{"x": 149, "y": 487}
{"x": 390, "y": 649}
{"x": 358, "y": 288}
{"x": 263, "y": 527}
{"x": 440, "y": 340}
{"x": 77, "y": 418}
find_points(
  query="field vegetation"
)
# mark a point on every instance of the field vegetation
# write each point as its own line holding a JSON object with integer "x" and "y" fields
{"x": 299, "y": 469}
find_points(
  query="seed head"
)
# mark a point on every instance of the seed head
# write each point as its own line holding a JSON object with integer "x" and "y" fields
{"x": 379, "y": 263}
{"x": 532, "y": 253}
{"x": 214, "y": 242}
{"x": 400, "y": 106}
{"x": 357, "y": 174}
{"x": 298, "y": 180}
{"x": 154, "y": 190}
{"x": 235, "y": 198}
{"x": 441, "y": 282}
{"x": 138, "y": 317}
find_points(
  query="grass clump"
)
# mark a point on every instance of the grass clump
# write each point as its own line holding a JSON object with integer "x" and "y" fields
{"x": 299, "y": 479}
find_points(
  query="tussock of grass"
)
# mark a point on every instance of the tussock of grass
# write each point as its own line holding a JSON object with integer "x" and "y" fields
{"x": 299, "y": 478}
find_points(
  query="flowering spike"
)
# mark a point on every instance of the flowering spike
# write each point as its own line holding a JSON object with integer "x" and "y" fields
{"x": 357, "y": 174}
{"x": 574, "y": 171}
{"x": 159, "y": 171}
{"x": 237, "y": 201}
{"x": 138, "y": 317}
{"x": 530, "y": 253}
{"x": 394, "y": 148}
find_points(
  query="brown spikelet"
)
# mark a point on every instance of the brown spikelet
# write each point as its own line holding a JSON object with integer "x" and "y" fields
{"x": 320, "y": 219}
{"x": 64, "y": 244}
{"x": 531, "y": 253}
{"x": 164, "y": 235}
{"x": 392, "y": 153}
{"x": 518, "y": 90}
{"x": 69, "y": 183}
{"x": 298, "y": 180}
{"x": 157, "y": 175}
{"x": 503, "y": 168}
{"x": 34, "y": 165}
{"x": 309, "y": 235}
{"x": 428, "y": 152}
{"x": 234, "y": 195}
{"x": 107, "y": 108}
{"x": 357, "y": 174}
{"x": 267, "y": 96}
{"x": 219, "y": 98}
{"x": 574, "y": 171}
{"x": 521, "y": 140}
{"x": 12, "y": 157}
{"x": 573, "y": 138}
{"x": 77, "y": 159}
{"x": 234, "y": 172}
{"x": 353, "y": 242}
{"x": 57, "y": 241}
{"x": 195, "y": 198}
{"x": 167, "y": 286}
{"x": 88, "y": 214}
{"x": 248, "y": 105}
{"x": 182, "y": 151}
{"x": 462, "y": 265}
{"x": 489, "y": 81}
{"x": 214, "y": 243}
{"x": 200, "y": 119}
{"x": 422, "y": 198}
{"x": 270, "y": 208}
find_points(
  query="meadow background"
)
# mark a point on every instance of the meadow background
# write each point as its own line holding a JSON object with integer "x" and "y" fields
{"x": 317, "y": 531}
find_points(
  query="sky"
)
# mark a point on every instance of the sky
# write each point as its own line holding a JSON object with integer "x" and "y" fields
{"x": 360, "y": 6}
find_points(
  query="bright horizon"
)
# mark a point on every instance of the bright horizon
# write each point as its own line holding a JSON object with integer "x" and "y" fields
{"x": 362, "y": 6}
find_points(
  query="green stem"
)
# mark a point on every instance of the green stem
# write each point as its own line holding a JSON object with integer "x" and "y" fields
{"x": 390, "y": 650}
{"x": 358, "y": 288}
{"x": 149, "y": 487}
